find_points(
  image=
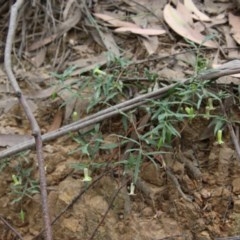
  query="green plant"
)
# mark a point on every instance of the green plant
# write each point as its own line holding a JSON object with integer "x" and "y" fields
{"x": 4, "y": 163}
{"x": 23, "y": 185}
{"x": 219, "y": 137}
{"x": 65, "y": 75}
{"x": 22, "y": 215}
{"x": 149, "y": 75}
{"x": 183, "y": 104}
{"x": 88, "y": 142}
{"x": 86, "y": 178}
{"x": 132, "y": 189}
{"x": 201, "y": 62}
{"x": 191, "y": 113}
{"x": 107, "y": 90}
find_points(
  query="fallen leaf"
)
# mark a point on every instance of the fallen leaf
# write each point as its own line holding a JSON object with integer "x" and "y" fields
{"x": 234, "y": 21}
{"x": 151, "y": 44}
{"x": 61, "y": 29}
{"x": 185, "y": 13}
{"x": 43, "y": 42}
{"x": 39, "y": 58}
{"x": 57, "y": 121}
{"x": 106, "y": 40}
{"x": 178, "y": 23}
{"x": 229, "y": 79}
{"x": 87, "y": 64}
{"x": 217, "y": 7}
{"x": 233, "y": 51}
{"x": 42, "y": 94}
{"x": 141, "y": 31}
{"x": 141, "y": 7}
{"x": 123, "y": 26}
{"x": 6, "y": 89}
{"x": 114, "y": 21}
{"x": 171, "y": 75}
{"x": 69, "y": 99}
{"x": 68, "y": 9}
{"x": 7, "y": 104}
{"x": 109, "y": 43}
{"x": 196, "y": 13}
{"x": 188, "y": 57}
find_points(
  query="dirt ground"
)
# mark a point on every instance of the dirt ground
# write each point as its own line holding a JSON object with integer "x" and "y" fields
{"x": 192, "y": 190}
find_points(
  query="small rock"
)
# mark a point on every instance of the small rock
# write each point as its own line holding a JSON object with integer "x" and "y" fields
{"x": 151, "y": 174}
{"x": 68, "y": 189}
{"x": 204, "y": 236}
{"x": 236, "y": 186}
{"x": 147, "y": 212}
{"x": 205, "y": 194}
{"x": 237, "y": 205}
{"x": 71, "y": 224}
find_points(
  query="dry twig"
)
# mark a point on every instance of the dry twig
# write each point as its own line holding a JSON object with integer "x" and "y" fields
{"x": 11, "y": 227}
{"x": 231, "y": 67}
{"x": 34, "y": 125}
{"x": 232, "y": 132}
{"x": 74, "y": 200}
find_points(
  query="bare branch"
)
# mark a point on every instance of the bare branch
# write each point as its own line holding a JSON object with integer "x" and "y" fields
{"x": 34, "y": 125}
{"x": 11, "y": 227}
{"x": 231, "y": 67}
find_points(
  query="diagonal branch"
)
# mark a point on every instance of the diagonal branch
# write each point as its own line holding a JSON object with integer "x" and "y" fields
{"x": 226, "y": 69}
{"x": 87, "y": 121}
{"x": 231, "y": 67}
{"x": 34, "y": 125}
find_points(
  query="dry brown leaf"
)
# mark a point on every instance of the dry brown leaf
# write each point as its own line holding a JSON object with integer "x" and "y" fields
{"x": 114, "y": 21}
{"x": 42, "y": 94}
{"x": 151, "y": 44}
{"x": 61, "y": 29}
{"x": 218, "y": 20}
{"x": 106, "y": 40}
{"x": 171, "y": 75}
{"x": 67, "y": 11}
{"x": 229, "y": 80}
{"x": 39, "y": 58}
{"x": 43, "y": 42}
{"x": 109, "y": 43}
{"x": 87, "y": 64}
{"x": 46, "y": 93}
{"x": 234, "y": 21}
{"x": 196, "y": 13}
{"x": 57, "y": 121}
{"x": 185, "y": 13}
{"x": 123, "y": 26}
{"x": 176, "y": 21}
{"x": 69, "y": 99}
{"x": 153, "y": 6}
{"x": 7, "y": 104}
{"x": 233, "y": 51}
{"x": 141, "y": 31}
{"x": 75, "y": 103}
{"x": 189, "y": 58}
{"x": 5, "y": 89}
{"x": 216, "y": 7}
